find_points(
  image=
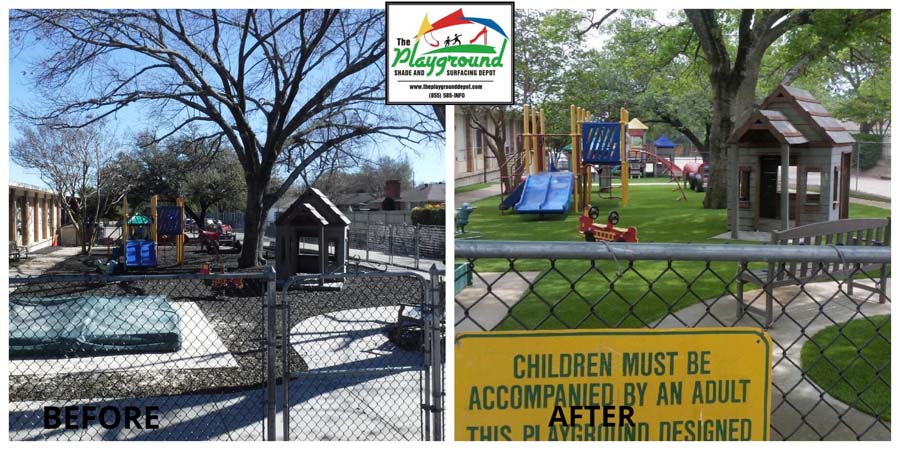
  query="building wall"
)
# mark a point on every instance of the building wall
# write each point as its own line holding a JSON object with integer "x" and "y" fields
{"x": 473, "y": 158}
{"x": 34, "y": 216}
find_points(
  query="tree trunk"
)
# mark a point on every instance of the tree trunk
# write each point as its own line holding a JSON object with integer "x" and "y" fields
{"x": 720, "y": 130}
{"x": 254, "y": 221}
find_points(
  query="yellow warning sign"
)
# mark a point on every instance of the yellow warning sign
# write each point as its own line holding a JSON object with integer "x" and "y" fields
{"x": 613, "y": 385}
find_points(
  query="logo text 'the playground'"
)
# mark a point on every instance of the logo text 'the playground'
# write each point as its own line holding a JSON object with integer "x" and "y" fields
{"x": 449, "y": 53}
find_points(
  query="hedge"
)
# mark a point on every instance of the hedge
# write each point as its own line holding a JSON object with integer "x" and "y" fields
{"x": 428, "y": 215}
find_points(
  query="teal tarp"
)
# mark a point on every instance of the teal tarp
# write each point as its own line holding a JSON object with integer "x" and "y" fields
{"x": 81, "y": 326}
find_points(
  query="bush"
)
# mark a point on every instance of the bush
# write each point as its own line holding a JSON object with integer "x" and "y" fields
{"x": 869, "y": 148}
{"x": 429, "y": 215}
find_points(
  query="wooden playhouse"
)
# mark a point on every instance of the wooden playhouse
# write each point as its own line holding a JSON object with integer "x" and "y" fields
{"x": 791, "y": 163}
{"x": 311, "y": 237}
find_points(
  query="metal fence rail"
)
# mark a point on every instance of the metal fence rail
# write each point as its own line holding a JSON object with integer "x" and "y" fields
{"x": 819, "y": 294}
{"x": 191, "y": 346}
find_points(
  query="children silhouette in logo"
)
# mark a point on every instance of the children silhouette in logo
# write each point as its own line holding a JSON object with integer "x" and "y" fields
{"x": 456, "y": 39}
{"x": 447, "y": 42}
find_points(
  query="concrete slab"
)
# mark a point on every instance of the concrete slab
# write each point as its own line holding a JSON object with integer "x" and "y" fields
{"x": 356, "y": 376}
{"x": 487, "y": 302}
{"x": 201, "y": 348}
{"x": 801, "y": 410}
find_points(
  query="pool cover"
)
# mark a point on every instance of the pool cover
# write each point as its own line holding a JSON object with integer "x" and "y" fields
{"x": 86, "y": 326}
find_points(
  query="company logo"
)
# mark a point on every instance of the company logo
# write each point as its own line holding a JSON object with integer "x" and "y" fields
{"x": 457, "y": 50}
{"x": 449, "y": 53}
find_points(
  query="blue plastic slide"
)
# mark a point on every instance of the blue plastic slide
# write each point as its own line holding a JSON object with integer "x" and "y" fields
{"x": 546, "y": 193}
{"x": 510, "y": 200}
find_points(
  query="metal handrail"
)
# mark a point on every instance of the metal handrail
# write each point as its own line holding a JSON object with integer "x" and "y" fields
{"x": 672, "y": 252}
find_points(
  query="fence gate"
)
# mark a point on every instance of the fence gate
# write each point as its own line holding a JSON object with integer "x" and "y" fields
{"x": 357, "y": 354}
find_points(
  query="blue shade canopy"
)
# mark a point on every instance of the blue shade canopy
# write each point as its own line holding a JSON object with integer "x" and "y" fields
{"x": 664, "y": 142}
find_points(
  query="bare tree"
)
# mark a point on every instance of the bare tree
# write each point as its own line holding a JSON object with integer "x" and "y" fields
{"x": 76, "y": 163}
{"x": 491, "y": 121}
{"x": 271, "y": 82}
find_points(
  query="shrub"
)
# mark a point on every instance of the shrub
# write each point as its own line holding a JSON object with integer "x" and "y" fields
{"x": 429, "y": 215}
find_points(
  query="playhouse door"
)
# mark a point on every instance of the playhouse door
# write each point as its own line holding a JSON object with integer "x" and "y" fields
{"x": 844, "y": 187}
{"x": 768, "y": 189}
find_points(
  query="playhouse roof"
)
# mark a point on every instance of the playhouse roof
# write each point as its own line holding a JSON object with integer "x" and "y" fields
{"x": 636, "y": 124}
{"x": 664, "y": 142}
{"x": 313, "y": 204}
{"x": 806, "y": 113}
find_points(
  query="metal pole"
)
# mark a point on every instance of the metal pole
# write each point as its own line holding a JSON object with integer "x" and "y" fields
{"x": 857, "y": 166}
{"x": 437, "y": 389}
{"x": 285, "y": 365}
{"x": 270, "y": 354}
{"x": 416, "y": 236}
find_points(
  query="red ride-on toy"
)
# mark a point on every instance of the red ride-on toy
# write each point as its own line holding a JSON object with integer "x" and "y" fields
{"x": 610, "y": 232}
{"x": 220, "y": 235}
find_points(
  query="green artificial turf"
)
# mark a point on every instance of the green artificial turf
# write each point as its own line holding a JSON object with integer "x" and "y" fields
{"x": 852, "y": 362}
{"x": 601, "y": 294}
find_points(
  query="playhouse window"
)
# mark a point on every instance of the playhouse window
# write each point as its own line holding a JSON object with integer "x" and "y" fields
{"x": 744, "y": 186}
{"x": 813, "y": 185}
{"x": 834, "y": 189}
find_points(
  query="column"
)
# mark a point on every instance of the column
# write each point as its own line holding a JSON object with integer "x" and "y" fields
{"x": 45, "y": 222}
{"x": 37, "y": 218}
{"x": 12, "y": 214}
{"x": 785, "y": 186}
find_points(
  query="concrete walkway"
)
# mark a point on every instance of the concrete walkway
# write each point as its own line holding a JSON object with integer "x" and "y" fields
{"x": 478, "y": 194}
{"x": 484, "y": 304}
{"x": 801, "y": 409}
{"x": 41, "y": 261}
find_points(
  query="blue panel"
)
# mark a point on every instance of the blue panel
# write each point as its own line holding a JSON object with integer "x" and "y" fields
{"x": 600, "y": 143}
{"x": 169, "y": 220}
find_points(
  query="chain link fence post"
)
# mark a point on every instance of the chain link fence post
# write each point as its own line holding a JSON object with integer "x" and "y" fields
{"x": 435, "y": 329}
{"x": 416, "y": 242}
{"x": 270, "y": 353}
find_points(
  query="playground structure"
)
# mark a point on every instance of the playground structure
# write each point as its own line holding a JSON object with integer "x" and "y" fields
{"x": 142, "y": 234}
{"x": 594, "y": 146}
{"x": 609, "y": 232}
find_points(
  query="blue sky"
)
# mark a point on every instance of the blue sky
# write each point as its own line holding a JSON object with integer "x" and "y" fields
{"x": 427, "y": 160}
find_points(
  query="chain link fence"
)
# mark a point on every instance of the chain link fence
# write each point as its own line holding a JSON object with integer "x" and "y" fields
{"x": 219, "y": 357}
{"x": 189, "y": 347}
{"x": 826, "y": 308}
{"x": 364, "y": 361}
{"x": 414, "y": 247}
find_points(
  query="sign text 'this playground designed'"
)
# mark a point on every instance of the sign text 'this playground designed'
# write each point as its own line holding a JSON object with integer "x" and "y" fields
{"x": 450, "y": 53}
{"x": 696, "y": 384}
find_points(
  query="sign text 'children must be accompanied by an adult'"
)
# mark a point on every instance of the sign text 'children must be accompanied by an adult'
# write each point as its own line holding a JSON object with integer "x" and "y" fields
{"x": 604, "y": 385}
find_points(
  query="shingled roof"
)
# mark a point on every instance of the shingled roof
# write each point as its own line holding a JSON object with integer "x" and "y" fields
{"x": 314, "y": 203}
{"x": 787, "y": 111}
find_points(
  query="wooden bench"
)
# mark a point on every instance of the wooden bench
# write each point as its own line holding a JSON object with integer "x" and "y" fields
{"x": 847, "y": 232}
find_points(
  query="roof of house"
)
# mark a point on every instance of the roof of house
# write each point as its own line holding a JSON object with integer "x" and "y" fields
{"x": 427, "y": 193}
{"x": 789, "y": 110}
{"x": 315, "y": 205}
